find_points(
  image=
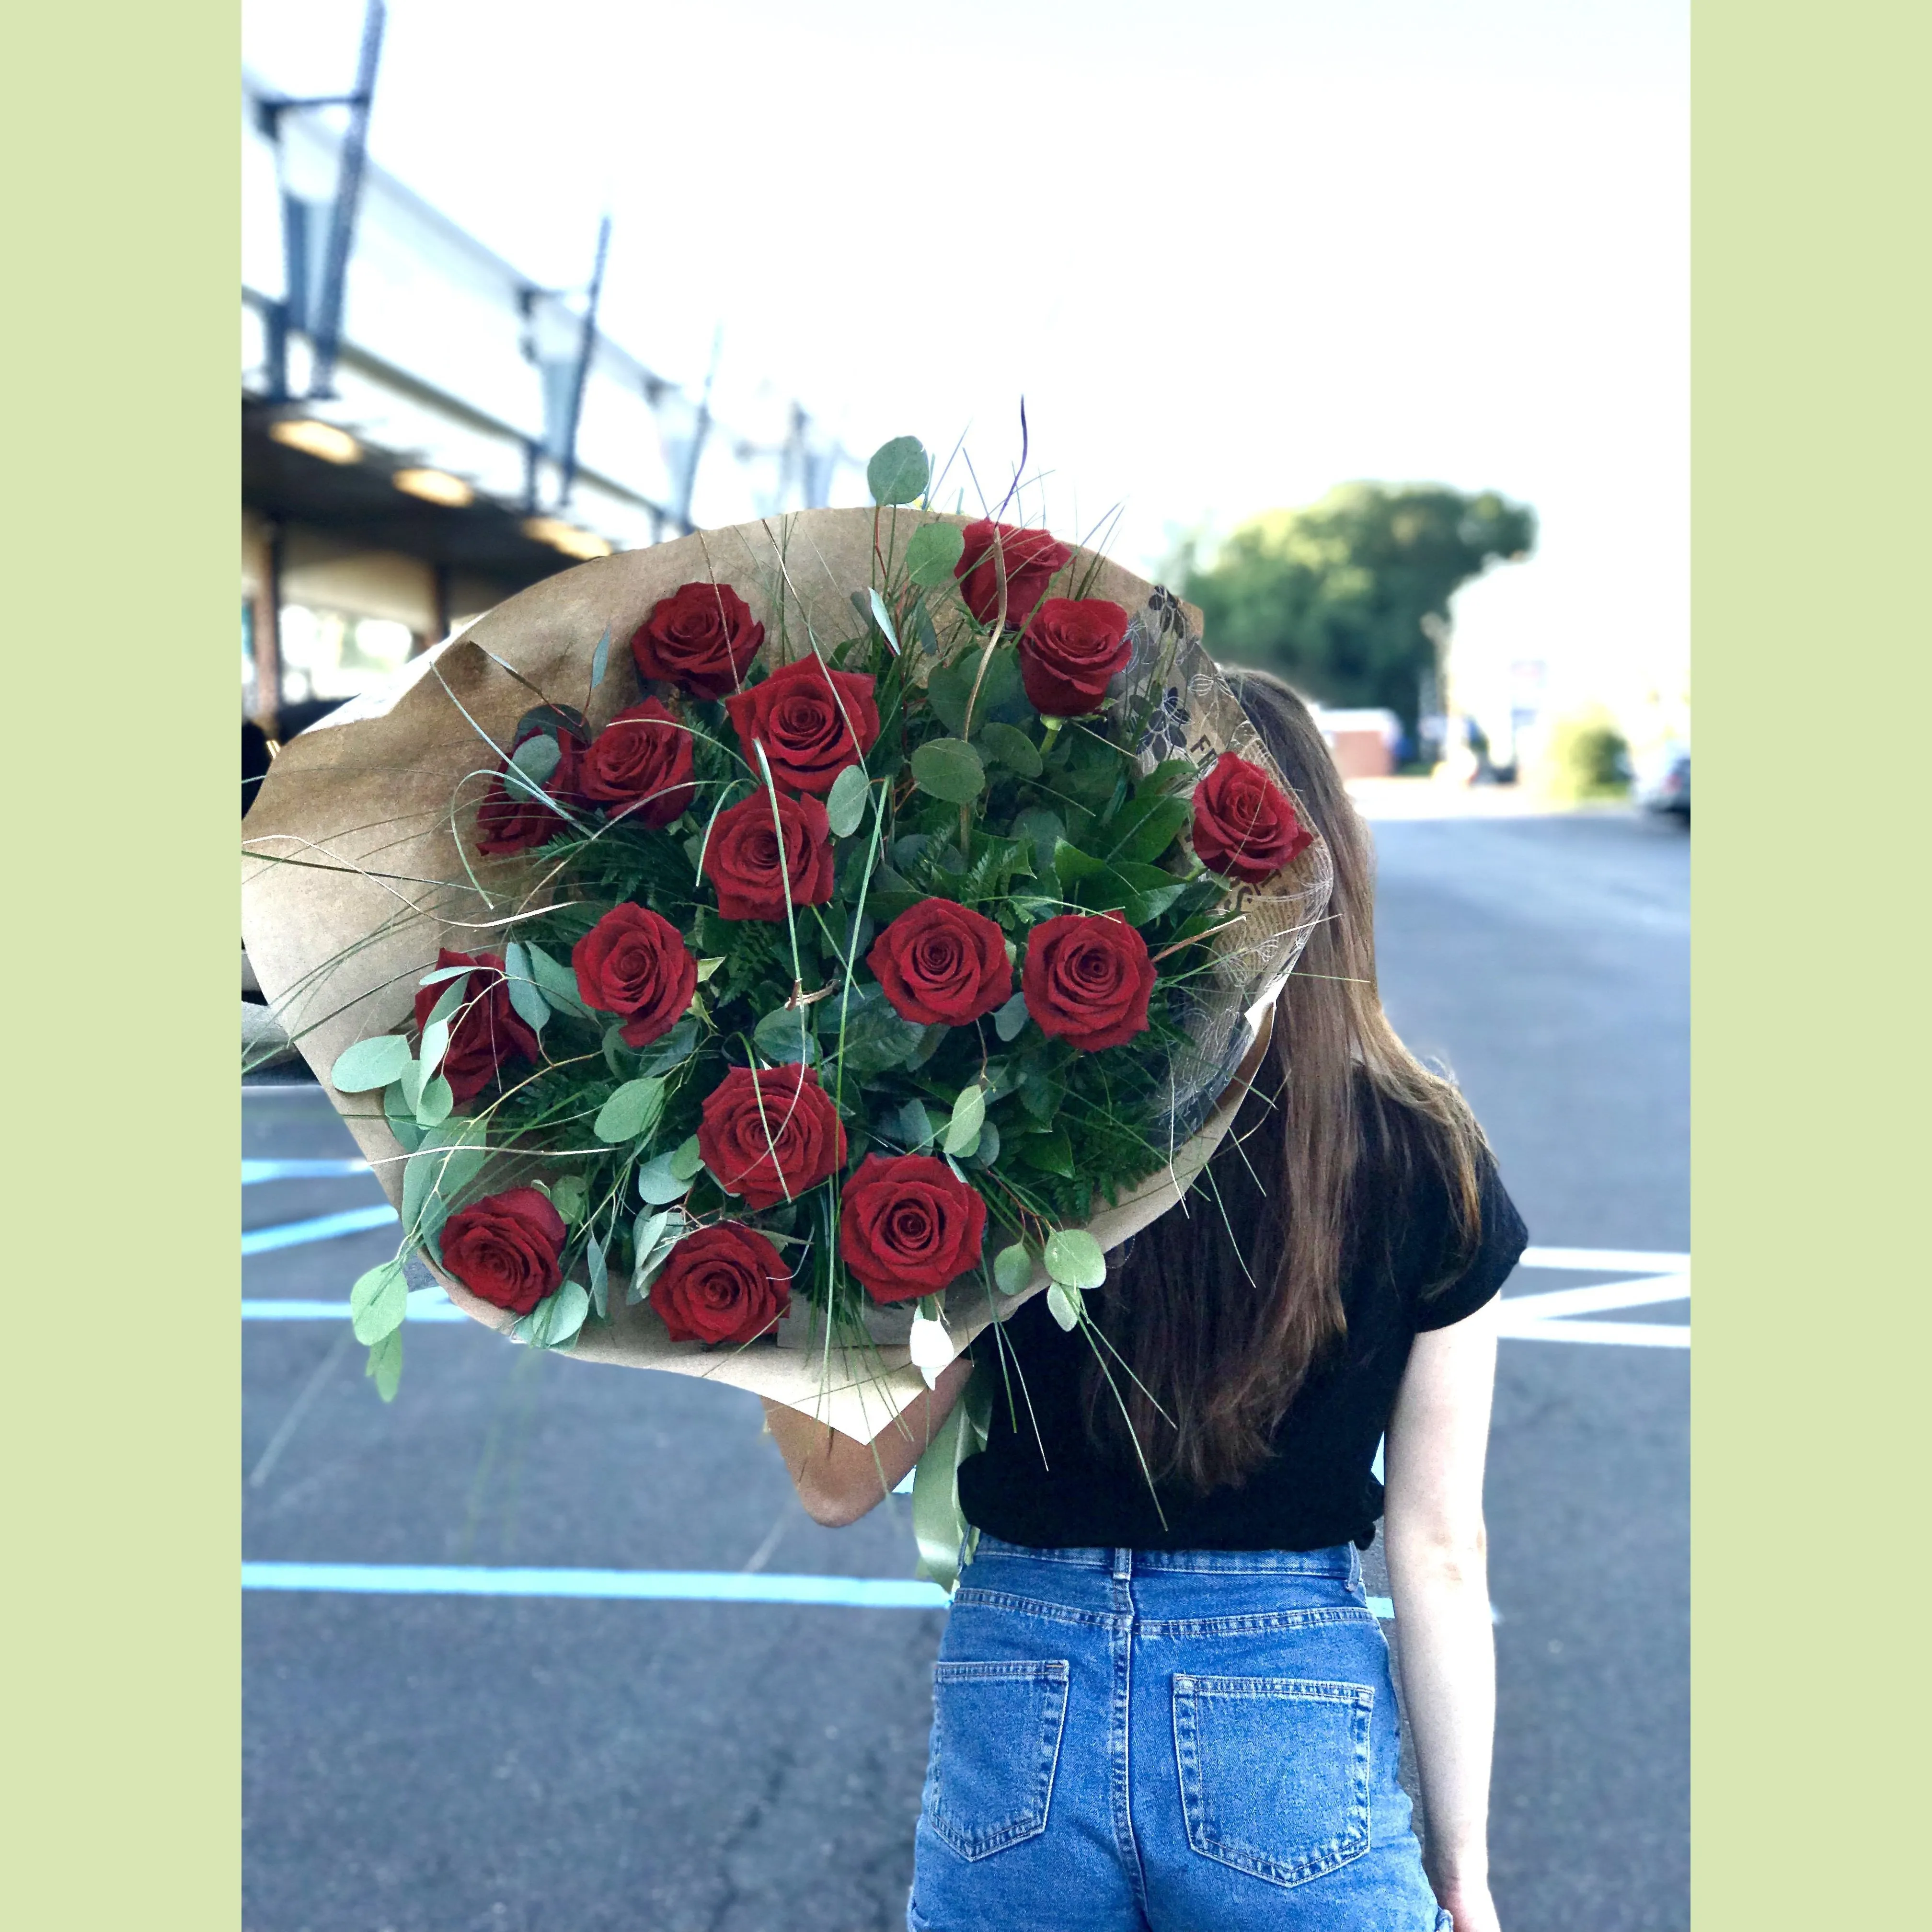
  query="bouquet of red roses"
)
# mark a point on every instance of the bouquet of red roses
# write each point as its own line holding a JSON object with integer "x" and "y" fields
{"x": 776, "y": 954}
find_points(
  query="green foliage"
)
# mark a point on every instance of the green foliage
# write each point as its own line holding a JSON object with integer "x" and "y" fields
{"x": 932, "y": 551}
{"x": 1340, "y": 598}
{"x": 898, "y": 471}
{"x": 371, "y": 1063}
{"x": 1589, "y": 757}
{"x": 949, "y": 768}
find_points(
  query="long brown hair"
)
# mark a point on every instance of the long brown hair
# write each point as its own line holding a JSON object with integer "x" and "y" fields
{"x": 1219, "y": 1336}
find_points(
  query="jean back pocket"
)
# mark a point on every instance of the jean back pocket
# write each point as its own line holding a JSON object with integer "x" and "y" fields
{"x": 1274, "y": 1772}
{"x": 995, "y": 1744}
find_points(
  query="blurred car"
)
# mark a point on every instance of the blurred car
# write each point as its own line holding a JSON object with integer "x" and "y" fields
{"x": 1662, "y": 782}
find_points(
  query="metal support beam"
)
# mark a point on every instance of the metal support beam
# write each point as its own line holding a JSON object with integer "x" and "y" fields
{"x": 567, "y": 456}
{"x": 325, "y": 318}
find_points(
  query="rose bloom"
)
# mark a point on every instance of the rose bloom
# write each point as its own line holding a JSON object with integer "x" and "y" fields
{"x": 1071, "y": 650}
{"x": 908, "y": 1225}
{"x": 636, "y": 965}
{"x": 1244, "y": 823}
{"x": 1030, "y": 557}
{"x": 724, "y": 1283}
{"x": 510, "y": 819}
{"x": 1087, "y": 979}
{"x": 641, "y": 761}
{"x": 942, "y": 964}
{"x": 806, "y": 725}
{"x": 702, "y": 637}
{"x": 742, "y": 860}
{"x": 770, "y": 1135}
{"x": 486, "y": 1031}
{"x": 507, "y": 1248}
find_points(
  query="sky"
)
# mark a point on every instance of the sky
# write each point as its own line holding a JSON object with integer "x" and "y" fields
{"x": 1230, "y": 254}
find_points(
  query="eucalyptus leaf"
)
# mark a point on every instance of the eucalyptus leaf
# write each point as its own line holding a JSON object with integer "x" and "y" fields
{"x": 1012, "y": 747}
{"x": 448, "y": 1159}
{"x": 371, "y": 1063}
{"x": 986, "y": 1149}
{"x": 928, "y": 638}
{"x": 969, "y": 1116}
{"x": 529, "y": 1004}
{"x": 558, "y": 983}
{"x": 688, "y": 1161}
{"x": 600, "y": 1276}
{"x": 600, "y": 659}
{"x": 915, "y": 1126}
{"x": 435, "y": 1045}
{"x": 883, "y": 618}
{"x": 1074, "y": 1258}
{"x": 1002, "y": 691}
{"x": 443, "y": 973}
{"x": 898, "y": 471}
{"x": 570, "y": 1195}
{"x": 630, "y": 1112}
{"x": 401, "y": 1117}
{"x": 1010, "y": 1022}
{"x": 434, "y": 1103}
{"x": 785, "y": 1035}
{"x": 671, "y": 1049}
{"x": 385, "y": 1367}
{"x": 932, "y": 552}
{"x": 657, "y": 1185}
{"x": 949, "y": 768}
{"x": 448, "y": 1000}
{"x": 845, "y": 803}
{"x": 378, "y": 1302}
{"x": 555, "y": 1321}
{"x": 537, "y": 758}
{"x": 1012, "y": 1268}
{"x": 1062, "y": 1304}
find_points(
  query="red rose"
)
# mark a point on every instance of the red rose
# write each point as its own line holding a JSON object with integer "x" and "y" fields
{"x": 1072, "y": 649}
{"x": 1030, "y": 558}
{"x": 507, "y": 1249}
{"x": 942, "y": 964}
{"x": 742, "y": 859}
{"x": 811, "y": 729}
{"x": 512, "y": 818}
{"x": 909, "y": 1225}
{"x": 633, "y": 964}
{"x": 487, "y": 1030}
{"x": 770, "y": 1135}
{"x": 641, "y": 760}
{"x": 1087, "y": 978}
{"x": 725, "y": 1283}
{"x": 1244, "y": 823}
{"x": 702, "y": 637}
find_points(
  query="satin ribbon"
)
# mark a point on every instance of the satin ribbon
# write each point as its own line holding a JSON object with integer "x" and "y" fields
{"x": 946, "y": 1539}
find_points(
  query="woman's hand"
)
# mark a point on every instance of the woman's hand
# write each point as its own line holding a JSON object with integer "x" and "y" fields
{"x": 839, "y": 1480}
{"x": 1470, "y": 1905}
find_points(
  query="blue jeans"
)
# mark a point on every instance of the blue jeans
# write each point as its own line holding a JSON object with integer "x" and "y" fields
{"x": 1126, "y": 1740}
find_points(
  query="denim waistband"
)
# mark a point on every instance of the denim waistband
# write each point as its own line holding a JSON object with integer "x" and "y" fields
{"x": 1342, "y": 1561}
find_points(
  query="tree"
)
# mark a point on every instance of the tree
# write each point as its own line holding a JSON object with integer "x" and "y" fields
{"x": 1346, "y": 599}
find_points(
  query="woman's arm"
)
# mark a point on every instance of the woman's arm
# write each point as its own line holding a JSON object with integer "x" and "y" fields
{"x": 1437, "y": 1568}
{"x": 839, "y": 1480}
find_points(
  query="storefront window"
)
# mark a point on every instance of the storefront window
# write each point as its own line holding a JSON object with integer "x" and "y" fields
{"x": 330, "y": 654}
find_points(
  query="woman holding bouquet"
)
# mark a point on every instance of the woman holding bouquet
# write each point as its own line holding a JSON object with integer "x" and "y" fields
{"x": 1161, "y": 1701}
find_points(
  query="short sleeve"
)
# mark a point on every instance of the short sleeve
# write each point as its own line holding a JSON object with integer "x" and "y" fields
{"x": 1500, "y": 1242}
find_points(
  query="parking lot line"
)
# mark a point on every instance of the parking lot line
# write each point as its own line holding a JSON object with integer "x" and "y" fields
{"x": 1605, "y": 1260}
{"x": 255, "y": 1171}
{"x": 323, "y": 1227}
{"x": 703, "y": 1586}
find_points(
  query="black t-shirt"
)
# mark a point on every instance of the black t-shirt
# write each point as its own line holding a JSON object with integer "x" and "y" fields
{"x": 1042, "y": 1481}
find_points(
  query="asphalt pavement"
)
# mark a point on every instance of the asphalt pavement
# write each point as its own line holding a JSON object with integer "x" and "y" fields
{"x": 428, "y": 1762}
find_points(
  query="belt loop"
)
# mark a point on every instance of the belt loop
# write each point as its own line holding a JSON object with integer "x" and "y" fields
{"x": 1124, "y": 1565}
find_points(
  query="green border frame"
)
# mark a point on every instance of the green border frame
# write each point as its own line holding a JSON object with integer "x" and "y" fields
{"x": 1810, "y": 512}
{"x": 123, "y": 1717}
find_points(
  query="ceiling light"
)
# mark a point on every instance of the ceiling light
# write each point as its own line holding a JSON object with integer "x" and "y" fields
{"x": 566, "y": 537}
{"x": 317, "y": 439}
{"x": 435, "y": 486}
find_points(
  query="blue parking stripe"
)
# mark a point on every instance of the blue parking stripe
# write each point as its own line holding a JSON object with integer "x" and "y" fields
{"x": 254, "y": 1171}
{"x": 708, "y": 1586}
{"x": 323, "y": 1228}
{"x": 699, "y": 1586}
